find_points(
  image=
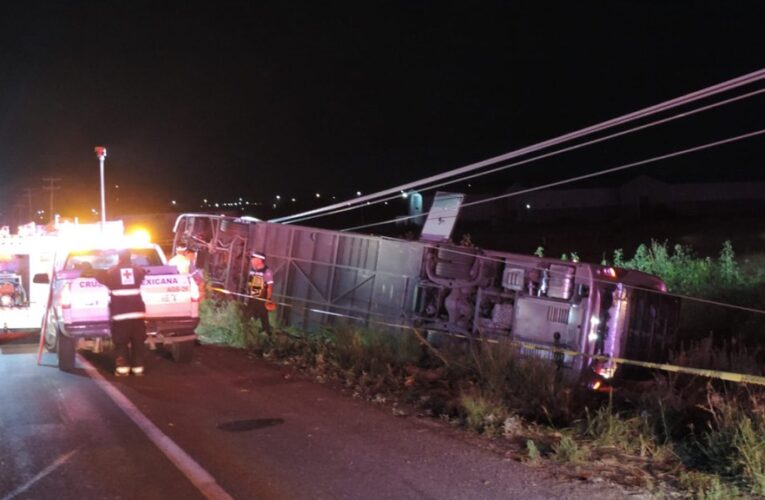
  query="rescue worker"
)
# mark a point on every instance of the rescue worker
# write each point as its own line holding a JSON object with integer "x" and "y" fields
{"x": 260, "y": 287}
{"x": 126, "y": 312}
{"x": 181, "y": 259}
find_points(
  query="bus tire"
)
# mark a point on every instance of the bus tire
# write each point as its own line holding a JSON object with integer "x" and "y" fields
{"x": 182, "y": 352}
{"x": 67, "y": 348}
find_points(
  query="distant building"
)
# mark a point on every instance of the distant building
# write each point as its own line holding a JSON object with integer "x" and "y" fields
{"x": 640, "y": 197}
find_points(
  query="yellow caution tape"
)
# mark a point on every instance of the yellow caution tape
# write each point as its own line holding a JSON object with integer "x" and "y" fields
{"x": 699, "y": 372}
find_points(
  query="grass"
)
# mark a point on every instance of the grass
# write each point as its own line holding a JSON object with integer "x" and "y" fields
{"x": 709, "y": 437}
{"x": 569, "y": 450}
{"x": 704, "y": 486}
{"x": 482, "y": 413}
{"x": 733, "y": 443}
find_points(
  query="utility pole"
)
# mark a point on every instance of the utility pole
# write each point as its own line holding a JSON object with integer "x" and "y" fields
{"x": 101, "y": 154}
{"x": 19, "y": 213}
{"x": 28, "y": 194}
{"x": 52, "y": 188}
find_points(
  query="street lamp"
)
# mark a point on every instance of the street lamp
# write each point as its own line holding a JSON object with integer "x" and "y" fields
{"x": 101, "y": 154}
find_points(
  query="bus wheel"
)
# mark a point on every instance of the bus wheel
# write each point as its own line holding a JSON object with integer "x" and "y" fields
{"x": 67, "y": 348}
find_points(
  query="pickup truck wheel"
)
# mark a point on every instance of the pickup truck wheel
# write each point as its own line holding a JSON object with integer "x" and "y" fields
{"x": 51, "y": 334}
{"x": 67, "y": 348}
{"x": 182, "y": 352}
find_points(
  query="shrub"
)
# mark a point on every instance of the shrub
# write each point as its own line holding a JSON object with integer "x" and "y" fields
{"x": 568, "y": 450}
{"x": 482, "y": 413}
{"x": 733, "y": 444}
{"x": 687, "y": 274}
{"x": 221, "y": 322}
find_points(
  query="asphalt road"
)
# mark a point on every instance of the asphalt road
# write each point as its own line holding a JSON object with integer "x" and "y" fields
{"x": 259, "y": 431}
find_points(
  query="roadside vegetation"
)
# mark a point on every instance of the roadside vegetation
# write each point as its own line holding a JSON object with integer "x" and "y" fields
{"x": 702, "y": 437}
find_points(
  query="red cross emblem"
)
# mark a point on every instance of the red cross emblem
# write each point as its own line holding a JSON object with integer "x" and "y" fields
{"x": 127, "y": 277}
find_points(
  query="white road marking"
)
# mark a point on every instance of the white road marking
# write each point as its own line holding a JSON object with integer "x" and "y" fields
{"x": 199, "y": 477}
{"x": 55, "y": 465}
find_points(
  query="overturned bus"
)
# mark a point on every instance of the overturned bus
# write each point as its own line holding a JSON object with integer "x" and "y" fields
{"x": 329, "y": 276}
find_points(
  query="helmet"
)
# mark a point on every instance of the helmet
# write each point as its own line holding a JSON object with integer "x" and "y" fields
{"x": 257, "y": 255}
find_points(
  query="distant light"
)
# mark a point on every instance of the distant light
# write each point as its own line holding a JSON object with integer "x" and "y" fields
{"x": 592, "y": 337}
{"x": 246, "y": 202}
{"x": 278, "y": 197}
{"x": 204, "y": 200}
{"x": 172, "y": 202}
{"x": 240, "y": 199}
{"x": 334, "y": 197}
{"x": 470, "y": 185}
{"x": 528, "y": 206}
{"x": 217, "y": 205}
{"x": 94, "y": 210}
{"x": 358, "y": 193}
{"x": 386, "y": 202}
{"x": 318, "y": 195}
{"x": 404, "y": 195}
{"x": 293, "y": 200}
{"x": 116, "y": 186}
{"x": 274, "y": 205}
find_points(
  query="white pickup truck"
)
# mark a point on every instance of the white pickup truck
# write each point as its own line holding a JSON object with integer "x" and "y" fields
{"x": 78, "y": 307}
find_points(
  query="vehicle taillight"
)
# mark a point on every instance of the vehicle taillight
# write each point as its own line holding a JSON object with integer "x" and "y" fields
{"x": 194, "y": 290}
{"x": 66, "y": 296}
{"x": 605, "y": 370}
{"x": 610, "y": 272}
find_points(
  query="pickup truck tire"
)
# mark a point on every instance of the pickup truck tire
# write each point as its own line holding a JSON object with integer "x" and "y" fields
{"x": 182, "y": 352}
{"x": 67, "y": 348}
{"x": 51, "y": 334}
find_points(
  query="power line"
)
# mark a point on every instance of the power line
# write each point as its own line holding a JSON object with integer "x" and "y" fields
{"x": 545, "y": 155}
{"x": 579, "y": 177}
{"x": 664, "y": 106}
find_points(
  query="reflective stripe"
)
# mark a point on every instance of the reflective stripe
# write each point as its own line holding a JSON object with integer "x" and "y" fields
{"x": 126, "y": 292}
{"x": 132, "y": 315}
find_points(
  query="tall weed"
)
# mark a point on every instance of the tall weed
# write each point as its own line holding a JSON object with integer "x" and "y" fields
{"x": 221, "y": 322}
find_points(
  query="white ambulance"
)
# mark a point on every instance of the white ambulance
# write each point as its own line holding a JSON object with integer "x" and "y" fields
{"x": 29, "y": 252}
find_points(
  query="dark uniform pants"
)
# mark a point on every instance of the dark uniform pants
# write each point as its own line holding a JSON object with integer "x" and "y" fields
{"x": 129, "y": 332}
{"x": 256, "y": 308}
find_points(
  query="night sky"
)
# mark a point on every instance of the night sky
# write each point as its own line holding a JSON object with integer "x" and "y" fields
{"x": 255, "y": 99}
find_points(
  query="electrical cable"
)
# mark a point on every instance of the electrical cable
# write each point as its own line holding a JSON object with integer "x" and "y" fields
{"x": 666, "y": 105}
{"x": 539, "y": 157}
{"x": 576, "y": 178}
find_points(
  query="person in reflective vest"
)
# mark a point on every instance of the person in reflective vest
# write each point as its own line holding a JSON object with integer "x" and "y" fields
{"x": 260, "y": 286}
{"x": 126, "y": 313}
{"x": 181, "y": 260}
